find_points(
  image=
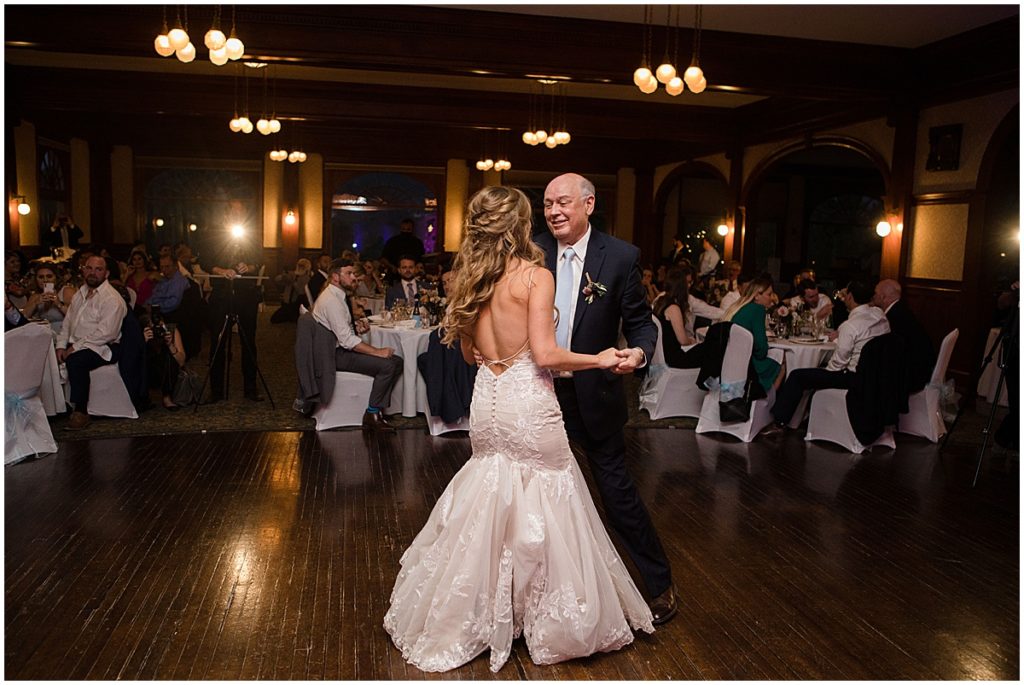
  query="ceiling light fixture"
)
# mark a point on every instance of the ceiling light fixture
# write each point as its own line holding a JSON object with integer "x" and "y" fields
{"x": 558, "y": 133}
{"x": 177, "y": 41}
{"x": 667, "y": 73}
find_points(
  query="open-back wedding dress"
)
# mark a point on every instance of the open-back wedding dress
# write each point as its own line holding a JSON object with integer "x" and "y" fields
{"x": 514, "y": 545}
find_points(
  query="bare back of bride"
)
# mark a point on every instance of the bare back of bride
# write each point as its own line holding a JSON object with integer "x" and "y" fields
{"x": 514, "y": 546}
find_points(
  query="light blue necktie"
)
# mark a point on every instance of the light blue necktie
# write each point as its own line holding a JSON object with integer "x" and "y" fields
{"x": 563, "y": 298}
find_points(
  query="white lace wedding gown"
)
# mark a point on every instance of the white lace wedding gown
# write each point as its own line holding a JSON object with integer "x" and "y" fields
{"x": 514, "y": 545}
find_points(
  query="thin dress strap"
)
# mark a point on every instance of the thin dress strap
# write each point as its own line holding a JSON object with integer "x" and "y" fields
{"x": 506, "y": 361}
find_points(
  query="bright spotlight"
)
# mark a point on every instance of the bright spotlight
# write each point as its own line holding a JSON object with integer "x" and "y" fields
{"x": 237, "y": 231}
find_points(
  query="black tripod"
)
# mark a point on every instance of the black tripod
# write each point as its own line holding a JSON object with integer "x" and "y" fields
{"x": 231, "y": 321}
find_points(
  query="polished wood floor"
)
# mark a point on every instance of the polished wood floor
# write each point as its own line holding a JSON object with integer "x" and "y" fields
{"x": 272, "y": 555}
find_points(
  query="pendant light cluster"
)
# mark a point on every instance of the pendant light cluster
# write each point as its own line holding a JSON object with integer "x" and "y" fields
{"x": 242, "y": 124}
{"x": 666, "y": 73}
{"x": 295, "y": 156}
{"x": 556, "y": 134}
{"x": 486, "y": 163}
{"x": 177, "y": 42}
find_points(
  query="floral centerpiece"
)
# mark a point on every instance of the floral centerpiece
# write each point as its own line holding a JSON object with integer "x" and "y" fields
{"x": 431, "y": 306}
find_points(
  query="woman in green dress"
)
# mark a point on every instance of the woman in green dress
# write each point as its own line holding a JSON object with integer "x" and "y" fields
{"x": 749, "y": 312}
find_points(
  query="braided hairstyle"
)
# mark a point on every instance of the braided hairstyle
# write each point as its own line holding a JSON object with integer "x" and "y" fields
{"x": 497, "y": 231}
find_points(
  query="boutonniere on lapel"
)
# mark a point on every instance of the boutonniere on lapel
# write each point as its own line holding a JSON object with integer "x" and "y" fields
{"x": 593, "y": 289}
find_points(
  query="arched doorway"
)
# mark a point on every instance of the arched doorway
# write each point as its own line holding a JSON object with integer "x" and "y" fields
{"x": 368, "y": 209}
{"x": 691, "y": 203}
{"x": 816, "y": 207}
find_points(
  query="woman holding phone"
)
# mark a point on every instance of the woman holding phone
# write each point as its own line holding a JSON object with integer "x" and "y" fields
{"x": 49, "y": 301}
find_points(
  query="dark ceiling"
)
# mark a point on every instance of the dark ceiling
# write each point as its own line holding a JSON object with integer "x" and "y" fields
{"x": 417, "y": 85}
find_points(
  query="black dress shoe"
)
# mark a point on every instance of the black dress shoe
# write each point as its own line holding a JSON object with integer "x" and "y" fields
{"x": 773, "y": 430}
{"x": 375, "y": 421}
{"x": 664, "y": 606}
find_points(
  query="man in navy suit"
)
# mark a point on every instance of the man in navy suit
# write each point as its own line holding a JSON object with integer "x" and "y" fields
{"x": 597, "y": 288}
{"x": 407, "y": 287}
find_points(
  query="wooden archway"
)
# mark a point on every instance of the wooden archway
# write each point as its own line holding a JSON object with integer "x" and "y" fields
{"x": 691, "y": 169}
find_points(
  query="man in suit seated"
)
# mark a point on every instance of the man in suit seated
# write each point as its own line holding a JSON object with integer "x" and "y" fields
{"x": 865, "y": 322}
{"x": 91, "y": 334}
{"x": 407, "y": 286}
{"x": 917, "y": 345}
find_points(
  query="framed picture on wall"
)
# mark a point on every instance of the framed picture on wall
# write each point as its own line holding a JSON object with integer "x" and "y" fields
{"x": 944, "y": 147}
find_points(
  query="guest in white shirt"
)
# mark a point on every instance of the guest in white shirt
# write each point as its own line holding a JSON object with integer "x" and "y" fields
{"x": 90, "y": 335}
{"x": 332, "y": 311}
{"x": 733, "y": 296}
{"x": 709, "y": 260}
{"x": 865, "y": 322}
{"x": 809, "y": 297}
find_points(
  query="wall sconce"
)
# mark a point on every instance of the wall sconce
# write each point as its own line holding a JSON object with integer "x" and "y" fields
{"x": 289, "y": 218}
{"x": 723, "y": 230}
{"x": 158, "y": 222}
{"x": 193, "y": 227}
{"x": 24, "y": 208}
{"x": 883, "y": 228}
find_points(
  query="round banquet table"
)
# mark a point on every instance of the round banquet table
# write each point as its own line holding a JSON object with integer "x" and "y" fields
{"x": 409, "y": 395}
{"x": 801, "y": 355}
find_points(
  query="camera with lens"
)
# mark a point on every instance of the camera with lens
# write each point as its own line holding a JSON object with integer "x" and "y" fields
{"x": 156, "y": 321}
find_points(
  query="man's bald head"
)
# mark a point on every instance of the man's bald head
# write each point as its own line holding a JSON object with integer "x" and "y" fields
{"x": 886, "y": 292}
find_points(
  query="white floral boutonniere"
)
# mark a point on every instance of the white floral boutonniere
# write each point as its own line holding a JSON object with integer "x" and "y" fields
{"x": 593, "y": 289}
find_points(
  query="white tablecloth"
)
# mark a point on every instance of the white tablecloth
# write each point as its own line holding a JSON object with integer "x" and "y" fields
{"x": 51, "y": 391}
{"x": 801, "y": 355}
{"x": 990, "y": 378}
{"x": 410, "y": 393}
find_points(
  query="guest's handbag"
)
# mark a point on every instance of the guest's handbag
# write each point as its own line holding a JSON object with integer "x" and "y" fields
{"x": 736, "y": 408}
{"x": 187, "y": 388}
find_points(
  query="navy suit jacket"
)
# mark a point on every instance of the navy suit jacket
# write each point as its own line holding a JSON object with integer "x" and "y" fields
{"x": 616, "y": 264}
{"x": 397, "y": 292}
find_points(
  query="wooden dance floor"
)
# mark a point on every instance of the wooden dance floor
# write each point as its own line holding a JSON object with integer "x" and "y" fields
{"x": 272, "y": 556}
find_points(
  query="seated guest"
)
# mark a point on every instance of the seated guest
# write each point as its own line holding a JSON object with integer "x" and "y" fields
{"x": 864, "y": 323}
{"x": 446, "y": 280}
{"x": 699, "y": 307}
{"x": 917, "y": 345}
{"x": 407, "y": 285}
{"x": 732, "y": 275}
{"x": 319, "y": 278}
{"x": 294, "y": 293}
{"x": 140, "y": 277}
{"x": 371, "y": 284}
{"x": 809, "y": 297}
{"x": 49, "y": 300}
{"x": 168, "y": 292}
{"x": 805, "y": 274}
{"x": 90, "y": 335}
{"x": 749, "y": 312}
{"x": 733, "y": 296}
{"x": 331, "y": 310}
{"x": 676, "y": 316}
{"x": 647, "y": 281}
{"x": 12, "y": 317}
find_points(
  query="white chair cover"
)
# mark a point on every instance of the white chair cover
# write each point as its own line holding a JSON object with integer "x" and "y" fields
{"x": 27, "y": 431}
{"x": 734, "y": 373}
{"x": 107, "y": 394}
{"x": 830, "y": 421}
{"x": 437, "y": 426}
{"x": 348, "y": 403}
{"x": 669, "y": 392}
{"x": 924, "y": 416}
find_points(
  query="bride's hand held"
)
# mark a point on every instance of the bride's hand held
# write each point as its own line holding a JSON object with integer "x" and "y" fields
{"x": 608, "y": 359}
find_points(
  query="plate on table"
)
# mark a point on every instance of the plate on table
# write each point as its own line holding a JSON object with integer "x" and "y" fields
{"x": 375, "y": 318}
{"x": 803, "y": 340}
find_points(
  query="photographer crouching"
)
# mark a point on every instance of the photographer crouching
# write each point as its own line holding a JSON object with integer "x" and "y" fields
{"x": 165, "y": 355}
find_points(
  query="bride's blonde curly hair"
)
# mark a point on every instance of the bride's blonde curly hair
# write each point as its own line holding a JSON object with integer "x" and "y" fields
{"x": 497, "y": 231}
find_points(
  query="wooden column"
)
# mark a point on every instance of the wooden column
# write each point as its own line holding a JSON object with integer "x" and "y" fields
{"x": 290, "y": 203}
{"x": 644, "y": 235}
{"x": 901, "y": 193}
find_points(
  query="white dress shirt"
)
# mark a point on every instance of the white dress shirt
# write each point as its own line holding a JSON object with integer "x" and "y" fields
{"x": 866, "y": 321}
{"x": 708, "y": 261}
{"x": 93, "y": 323}
{"x": 331, "y": 311}
{"x": 731, "y": 298}
{"x": 823, "y": 302}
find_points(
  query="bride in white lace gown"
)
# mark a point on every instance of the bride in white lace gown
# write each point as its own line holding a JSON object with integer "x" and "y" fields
{"x": 514, "y": 545}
